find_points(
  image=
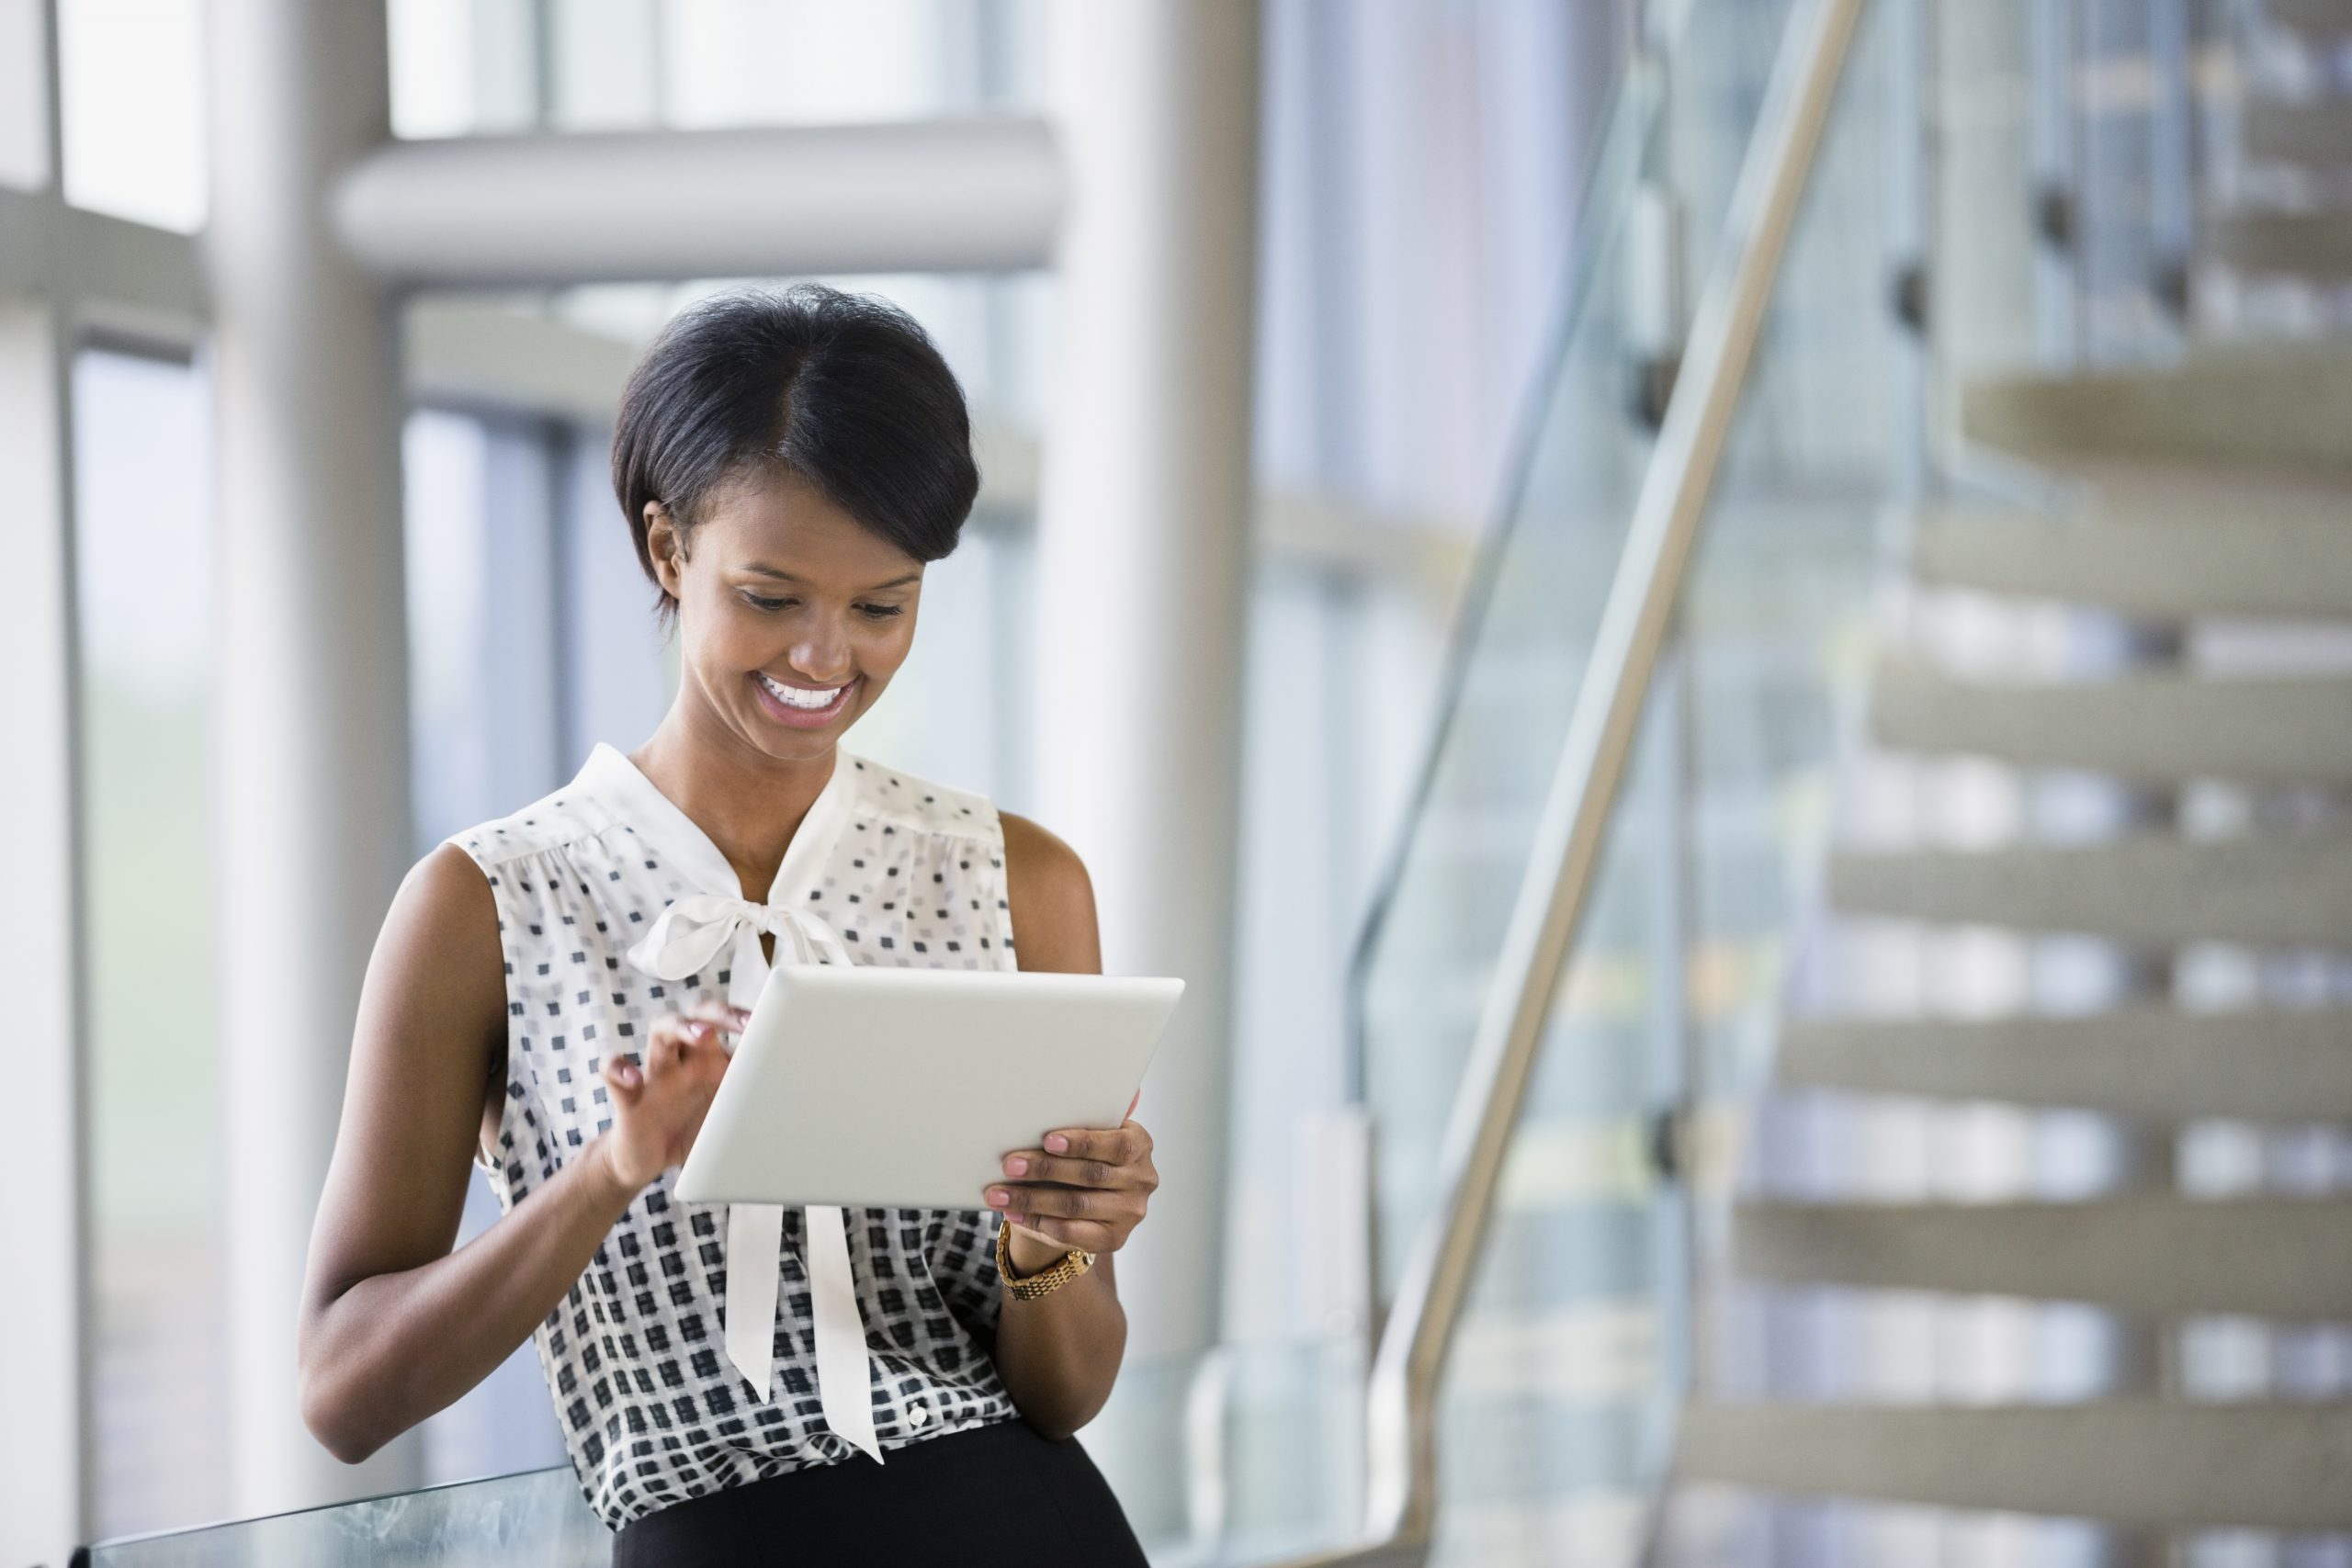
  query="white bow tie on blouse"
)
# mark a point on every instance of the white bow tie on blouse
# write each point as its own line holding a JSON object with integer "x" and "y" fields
{"x": 689, "y": 935}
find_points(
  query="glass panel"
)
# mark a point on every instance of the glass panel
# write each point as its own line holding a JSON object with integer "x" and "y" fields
{"x": 479, "y": 516}
{"x": 141, "y": 491}
{"x": 132, "y": 90}
{"x": 1557, "y": 1408}
{"x": 538, "y": 1517}
{"x": 481, "y": 557}
{"x": 1557, "y": 1414}
{"x": 1240, "y": 1454}
{"x": 619, "y": 674}
{"x": 1266, "y": 1461}
{"x": 1812, "y": 505}
{"x": 1545, "y": 577}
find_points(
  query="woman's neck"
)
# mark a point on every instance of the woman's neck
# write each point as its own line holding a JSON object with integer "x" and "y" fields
{"x": 748, "y": 803}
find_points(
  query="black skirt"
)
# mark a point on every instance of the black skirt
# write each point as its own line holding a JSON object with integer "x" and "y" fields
{"x": 999, "y": 1493}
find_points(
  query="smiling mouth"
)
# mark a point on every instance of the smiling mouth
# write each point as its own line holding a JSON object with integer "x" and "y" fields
{"x": 806, "y": 699}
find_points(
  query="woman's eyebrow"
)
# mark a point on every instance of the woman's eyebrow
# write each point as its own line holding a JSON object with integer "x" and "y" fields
{"x": 766, "y": 570}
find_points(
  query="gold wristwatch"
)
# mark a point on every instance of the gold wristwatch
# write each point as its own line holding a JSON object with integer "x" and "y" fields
{"x": 1045, "y": 1281}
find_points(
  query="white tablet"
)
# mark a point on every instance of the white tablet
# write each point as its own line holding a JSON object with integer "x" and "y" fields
{"x": 887, "y": 1087}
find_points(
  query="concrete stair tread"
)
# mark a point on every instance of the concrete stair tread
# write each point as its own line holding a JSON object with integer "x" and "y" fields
{"x": 2318, "y": 133}
{"x": 2314, "y": 245}
{"x": 2157, "y": 1064}
{"x": 2279, "y": 406}
{"x": 2159, "y": 889}
{"x": 2159, "y": 1256}
{"x": 2161, "y": 727}
{"x": 2293, "y": 556}
{"x": 2148, "y": 1464}
{"x": 2319, "y": 17}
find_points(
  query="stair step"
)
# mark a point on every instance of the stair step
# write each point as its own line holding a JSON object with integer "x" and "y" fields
{"x": 2317, "y": 133}
{"x": 2140, "y": 1463}
{"x": 2159, "y": 889}
{"x": 2157, "y": 1063}
{"x": 2276, "y": 406}
{"x": 2158, "y": 1255}
{"x": 2161, "y": 727}
{"x": 2314, "y": 245}
{"x": 2319, "y": 17}
{"x": 2201, "y": 564}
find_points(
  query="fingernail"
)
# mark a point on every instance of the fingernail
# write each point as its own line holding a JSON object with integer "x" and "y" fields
{"x": 1057, "y": 1144}
{"x": 999, "y": 1197}
{"x": 1016, "y": 1165}
{"x": 704, "y": 1028}
{"x": 627, "y": 1074}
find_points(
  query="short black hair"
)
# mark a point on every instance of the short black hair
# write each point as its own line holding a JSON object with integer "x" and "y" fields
{"x": 844, "y": 391}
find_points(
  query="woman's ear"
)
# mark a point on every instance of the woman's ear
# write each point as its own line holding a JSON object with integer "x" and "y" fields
{"x": 665, "y": 546}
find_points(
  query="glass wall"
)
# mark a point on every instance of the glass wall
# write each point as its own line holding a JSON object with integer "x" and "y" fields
{"x": 132, "y": 105}
{"x": 142, "y": 493}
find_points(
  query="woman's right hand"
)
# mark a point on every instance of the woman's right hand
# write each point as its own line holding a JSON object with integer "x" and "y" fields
{"x": 659, "y": 1107}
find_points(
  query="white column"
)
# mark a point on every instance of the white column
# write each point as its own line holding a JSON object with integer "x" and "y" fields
{"x": 44, "y": 1477}
{"x": 45, "y": 1492}
{"x": 313, "y": 710}
{"x": 1143, "y": 565}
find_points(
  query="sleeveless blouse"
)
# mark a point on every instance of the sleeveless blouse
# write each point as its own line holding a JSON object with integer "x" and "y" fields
{"x": 907, "y": 872}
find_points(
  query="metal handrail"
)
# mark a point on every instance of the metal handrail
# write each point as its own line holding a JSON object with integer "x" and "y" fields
{"x": 1401, "y": 1443}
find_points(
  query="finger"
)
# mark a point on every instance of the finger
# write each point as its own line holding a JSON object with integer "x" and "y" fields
{"x": 1063, "y": 1202}
{"x": 679, "y": 1033}
{"x": 1123, "y": 1144}
{"x": 1029, "y": 1165}
{"x": 624, "y": 1079}
{"x": 1087, "y": 1235}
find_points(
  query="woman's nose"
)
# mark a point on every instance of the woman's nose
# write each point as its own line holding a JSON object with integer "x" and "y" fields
{"x": 823, "y": 661}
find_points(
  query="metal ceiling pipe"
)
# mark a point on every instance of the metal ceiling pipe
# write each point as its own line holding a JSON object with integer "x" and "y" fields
{"x": 973, "y": 195}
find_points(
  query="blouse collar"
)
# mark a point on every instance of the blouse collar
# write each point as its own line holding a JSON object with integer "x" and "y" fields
{"x": 624, "y": 790}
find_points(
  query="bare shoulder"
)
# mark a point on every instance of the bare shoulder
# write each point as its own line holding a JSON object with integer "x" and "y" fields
{"x": 431, "y": 1028}
{"x": 434, "y": 996}
{"x": 442, "y": 929}
{"x": 1052, "y": 901}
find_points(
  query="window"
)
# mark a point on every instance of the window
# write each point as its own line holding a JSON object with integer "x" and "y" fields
{"x": 132, "y": 85}
{"x": 142, "y": 489}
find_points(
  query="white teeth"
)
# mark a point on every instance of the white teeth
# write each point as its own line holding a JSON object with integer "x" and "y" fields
{"x": 799, "y": 698}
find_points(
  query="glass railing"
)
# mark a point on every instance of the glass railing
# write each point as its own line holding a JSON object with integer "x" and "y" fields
{"x": 1262, "y": 1459}
{"x": 1424, "y": 967}
{"x": 1555, "y": 1410}
{"x": 538, "y": 1518}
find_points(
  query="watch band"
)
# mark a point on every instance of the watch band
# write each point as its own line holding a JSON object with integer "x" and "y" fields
{"x": 1045, "y": 1281}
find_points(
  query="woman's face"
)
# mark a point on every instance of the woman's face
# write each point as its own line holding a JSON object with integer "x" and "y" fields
{"x": 792, "y": 617}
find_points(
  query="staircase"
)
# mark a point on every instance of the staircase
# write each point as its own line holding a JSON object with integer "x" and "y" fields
{"x": 2212, "y": 521}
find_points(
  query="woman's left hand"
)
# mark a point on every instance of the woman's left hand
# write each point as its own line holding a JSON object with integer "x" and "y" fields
{"x": 1086, "y": 1189}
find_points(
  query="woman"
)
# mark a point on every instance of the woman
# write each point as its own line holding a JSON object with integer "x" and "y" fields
{"x": 553, "y": 994}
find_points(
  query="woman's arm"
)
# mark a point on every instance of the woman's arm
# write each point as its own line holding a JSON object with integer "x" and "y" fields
{"x": 394, "y": 1326}
{"x": 1060, "y": 1354}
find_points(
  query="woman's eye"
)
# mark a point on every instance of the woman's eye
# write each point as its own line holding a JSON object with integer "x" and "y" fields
{"x": 876, "y": 612}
